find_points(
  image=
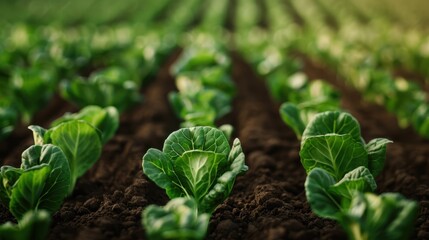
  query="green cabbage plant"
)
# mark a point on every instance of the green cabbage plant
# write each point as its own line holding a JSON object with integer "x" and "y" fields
{"x": 179, "y": 219}
{"x": 42, "y": 181}
{"x": 196, "y": 162}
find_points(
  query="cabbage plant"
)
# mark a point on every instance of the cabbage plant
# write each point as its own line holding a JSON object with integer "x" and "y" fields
{"x": 385, "y": 216}
{"x": 33, "y": 225}
{"x": 108, "y": 87}
{"x": 196, "y": 162}
{"x": 341, "y": 168}
{"x": 179, "y": 219}
{"x": 79, "y": 140}
{"x": 42, "y": 181}
{"x": 104, "y": 119}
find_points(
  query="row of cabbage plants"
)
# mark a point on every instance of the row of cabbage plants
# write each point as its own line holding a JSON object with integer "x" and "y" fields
{"x": 371, "y": 59}
{"x": 341, "y": 166}
{"x": 197, "y": 166}
{"x": 50, "y": 168}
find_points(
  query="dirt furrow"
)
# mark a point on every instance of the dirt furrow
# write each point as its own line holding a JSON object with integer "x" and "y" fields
{"x": 268, "y": 202}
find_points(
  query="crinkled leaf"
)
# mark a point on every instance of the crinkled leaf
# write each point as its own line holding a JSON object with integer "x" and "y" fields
{"x": 81, "y": 144}
{"x": 179, "y": 219}
{"x": 59, "y": 179}
{"x": 291, "y": 116}
{"x": 337, "y": 154}
{"x": 198, "y": 162}
{"x": 33, "y": 225}
{"x": 198, "y": 170}
{"x": 359, "y": 179}
{"x": 376, "y": 149}
{"x": 223, "y": 187}
{"x": 195, "y": 138}
{"x": 159, "y": 168}
{"x": 387, "y": 216}
{"x": 8, "y": 177}
{"x": 29, "y": 189}
{"x": 40, "y": 134}
{"x": 333, "y": 122}
{"x": 104, "y": 119}
{"x": 323, "y": 203}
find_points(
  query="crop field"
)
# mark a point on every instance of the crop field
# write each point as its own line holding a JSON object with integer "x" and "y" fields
{"x": 214, "y": 119}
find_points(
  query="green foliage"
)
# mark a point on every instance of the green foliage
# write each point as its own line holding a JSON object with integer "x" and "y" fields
{"x": 329, "y": 198}
{"x": 197, "y": 59}
{"x": 80, "y": 142}
{"x": 341, "y": 169}
{"x": 8, "y": 119}
{"x": 33, "y": 225}
{"x": 204, "y": 84}
{"x": 337, "y": 122}
{"x": 305, "y": 101}
{"x": 200, "y": 108}
{"x": 337, "y": 154}
{"x": 196, "y": 162}
{"x": 179, "y": 219}
{"x": 104, "y": 119}
{"x": 109, "y": 87}
{"x": 387, "y": 216}
{"x": 42, "y": 182}
{"x": 332, "y": 141}
{"x": 32, "y": 88}
{"x": 290, "y": 114}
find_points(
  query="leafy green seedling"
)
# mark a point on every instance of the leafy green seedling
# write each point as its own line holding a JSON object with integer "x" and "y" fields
{"x": 372, "y": 217}
{"x": 42, "y": 182}
{"x": 332, "y": 141}
{"x": 33, "y": 225}
{"x": 110, "y": 87}
{"x": 32, "y": 88}
{"x": 329, "y": 198}
{"x": 104, "y": 119}
{"x": 79, "y": 140}
{"x": 304, "y": 104}
{"x": 200, "y": 108}
{"x": 197, "y": 59}
{"x": 212, "y": 77}
{"x": 179, "y": 219}
{"x": 196, "y": 162}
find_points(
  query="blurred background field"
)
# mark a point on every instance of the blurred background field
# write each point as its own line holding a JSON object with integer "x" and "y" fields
{"x": 411, "y": 13}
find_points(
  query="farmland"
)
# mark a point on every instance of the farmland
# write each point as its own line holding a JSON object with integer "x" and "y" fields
{"x": 103, "y": 98}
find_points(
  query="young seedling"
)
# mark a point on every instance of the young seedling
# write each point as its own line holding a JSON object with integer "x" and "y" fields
{"x": 179, "y": 219}
{"x": 196, "y": 162}
{"x": 110, "y": 87}
{"x": 341, "y": 168}
{"x": 42, "y": 182}
{"x": 33, "y": 225}
{"x": 104, "y": 119}
{"x": 79, "y": 140}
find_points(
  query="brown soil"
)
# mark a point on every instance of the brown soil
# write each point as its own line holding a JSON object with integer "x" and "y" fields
{"x": 268, "y": 202}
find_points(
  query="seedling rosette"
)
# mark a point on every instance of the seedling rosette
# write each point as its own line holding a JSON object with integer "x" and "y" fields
{"x": 196, "y": 162}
